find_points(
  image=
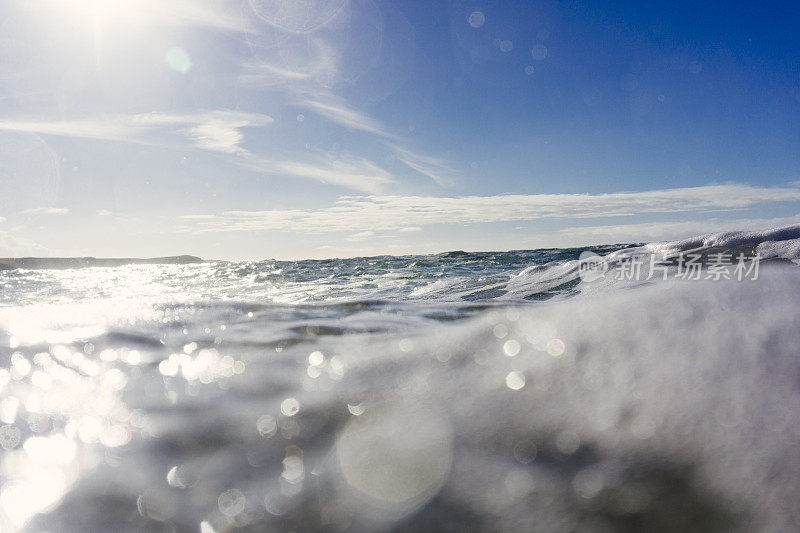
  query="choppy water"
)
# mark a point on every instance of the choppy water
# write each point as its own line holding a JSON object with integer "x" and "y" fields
{"x": 461, "y": 391}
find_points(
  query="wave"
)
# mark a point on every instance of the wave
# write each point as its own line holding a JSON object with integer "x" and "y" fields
{"x": 477, "y": 393}
{"x": 732, "y": 239}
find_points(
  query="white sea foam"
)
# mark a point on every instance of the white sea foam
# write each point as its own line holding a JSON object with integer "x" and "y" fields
{"x": 728, "y": 239}
{"x": 787, "y": 249}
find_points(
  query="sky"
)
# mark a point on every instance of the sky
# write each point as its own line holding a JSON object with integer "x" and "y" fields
{"x": 289, "y": 129}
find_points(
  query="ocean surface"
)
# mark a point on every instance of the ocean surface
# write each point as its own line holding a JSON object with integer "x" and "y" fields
{"x": 645, "y": 387}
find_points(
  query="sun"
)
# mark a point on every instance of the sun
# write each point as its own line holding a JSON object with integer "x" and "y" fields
{"x": 107, "y": 10}
{"x": 103, "y": 15}
{"x": 102, "y": 20}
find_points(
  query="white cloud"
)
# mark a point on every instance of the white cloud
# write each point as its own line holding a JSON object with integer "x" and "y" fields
{"x": 309, "y": 80}
{"x": 262, "y": 73}
{"x": 217, "y": 14}
{"x": 353, "y": 173}
{"x": 46, "y": 211}
{"x": 212, "y": 14}
{"x": 104, "y": 213}
{"x": 215, "y": 130}
{"x": 217, "y": 136}
{"x": 659, "y": 231}
{"x": 360, "y": 236}
{"x": 377, "y": 213}
{"x": 340, "y": 113}
{"x": 85, "y": 129}
{"x": 199, "y": 217}
{"x": 438, "y": 169}
{"x": 14, "y": 246}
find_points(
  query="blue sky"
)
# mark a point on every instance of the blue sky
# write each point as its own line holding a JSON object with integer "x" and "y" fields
{"x": 322, "y": 128}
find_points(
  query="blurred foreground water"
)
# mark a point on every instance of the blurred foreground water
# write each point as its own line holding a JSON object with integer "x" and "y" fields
{"x": 460, "y": 391}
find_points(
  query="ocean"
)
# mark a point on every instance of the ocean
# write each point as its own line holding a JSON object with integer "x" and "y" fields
{"x": 647, "y": 387}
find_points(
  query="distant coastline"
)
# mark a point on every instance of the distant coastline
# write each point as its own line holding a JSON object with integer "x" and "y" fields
{"x": 13, "y": 263}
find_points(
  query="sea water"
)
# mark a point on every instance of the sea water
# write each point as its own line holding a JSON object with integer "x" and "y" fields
{"x": 513, "y": 391}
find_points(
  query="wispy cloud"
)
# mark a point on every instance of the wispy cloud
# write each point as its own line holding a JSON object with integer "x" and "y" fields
{"x": 340, "y": 113}
{"x": 218, "y": 131}
{"x": 263, "y": 73}
{"x": 392, "y": 213}
{"x": 351, "y": 172}
{"x": 658, "y": 231}
{"x": 217, "y": 14}
{"x": 308, "y": 77}
{"x": 211, "y": 14}
{"x": 46, "y": 211}
{"x": 310, "y": 81}
{"x": 308, "y": 86}
{"x": 15, "y": 246}
{"x": 110, "y": 129}
{"x": 438, "y": 169}
{"x": 218, "y": 135}
{"x": 360, "y": 236}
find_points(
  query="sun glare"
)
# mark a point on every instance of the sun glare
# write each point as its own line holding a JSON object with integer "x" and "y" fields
{"x": 100, "y": 15}
{"x": 101, "y": 20}
{"x": 104, "y": 9}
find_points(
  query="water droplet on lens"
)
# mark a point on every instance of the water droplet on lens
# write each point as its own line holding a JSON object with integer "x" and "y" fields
{"x": 290, "y": 407}
{"x": 511, "y": 348}
{"x": 515, "y": 380}
{"x": 476, "y": 19}
{"x": 539, "y": 52}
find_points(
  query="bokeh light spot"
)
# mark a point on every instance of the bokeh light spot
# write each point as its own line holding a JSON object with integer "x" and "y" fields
{"x": 515, "y": 380}
{"x": 476, "y": 19}
{"x": 178, "y": 60}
